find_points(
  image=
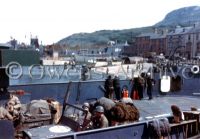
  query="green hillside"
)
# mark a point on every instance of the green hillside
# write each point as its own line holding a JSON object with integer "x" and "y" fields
{"x": 102, "y": 37}
{"x": 182, "y": 17}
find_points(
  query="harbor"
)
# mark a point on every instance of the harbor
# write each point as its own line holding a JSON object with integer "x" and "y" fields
{"x": 106, "y": 69}
{"x": 70, "y": 84}
{"x": 79, "y": 91}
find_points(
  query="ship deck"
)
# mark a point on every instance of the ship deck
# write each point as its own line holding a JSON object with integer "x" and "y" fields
{"x": 161, "y": 106}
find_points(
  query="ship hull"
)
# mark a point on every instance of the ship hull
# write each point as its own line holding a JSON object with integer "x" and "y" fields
{"x": 80, "y": 91}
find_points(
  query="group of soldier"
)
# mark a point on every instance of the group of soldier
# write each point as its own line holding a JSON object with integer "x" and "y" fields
{"x": 139, "y": 84}
{"x": 97, "y": 118}
{"x": 94, "y": 120}
{"x": 111, "y": 86}
{"x": 144, "y": 81}
{"x": 106, "y": 112}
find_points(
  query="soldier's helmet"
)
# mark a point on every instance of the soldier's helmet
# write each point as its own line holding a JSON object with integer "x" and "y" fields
{"x": 99, "y": 109}
{"x": 86, "y": 105}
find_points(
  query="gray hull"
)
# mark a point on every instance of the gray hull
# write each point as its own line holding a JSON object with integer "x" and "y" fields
{"x": 80, "y": 91}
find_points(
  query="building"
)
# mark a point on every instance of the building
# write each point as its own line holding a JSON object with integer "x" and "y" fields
{"x": 34, "y": 43}
{"x": 176, "y": 42}
{"x": 151, "y": 42}
{"x": 184, "y": 42}
{"x": 158, "y": 44}
{"x": 143, "y": 43}
{"x": 129, "y": 50}
{"x": 193, "y": 41}
{"x": 51, "y": 50}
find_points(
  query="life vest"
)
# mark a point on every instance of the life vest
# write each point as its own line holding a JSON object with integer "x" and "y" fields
{"x": 135, "y": 95}
{"x": 125, "y": 93}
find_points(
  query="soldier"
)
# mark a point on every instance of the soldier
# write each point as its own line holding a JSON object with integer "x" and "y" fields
{"x": 149, "y": 83}
{"x": 99, "y": 120}
{"x": 109, "y": 87}
{"x": 87, "y": 123}
{"x": 117, "y": 89}
{"x": 141, "y": 83}
{"x": 86, "y": 106}
{"x": 84, "y": 72}
{"x": 177, "y": 114}
{"x": 4, "y": 114}
{"x": 54, "y": 109}
{"x": 13, "y": 105}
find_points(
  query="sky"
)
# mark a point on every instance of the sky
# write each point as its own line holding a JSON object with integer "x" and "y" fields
{"x": 53, "y": 20}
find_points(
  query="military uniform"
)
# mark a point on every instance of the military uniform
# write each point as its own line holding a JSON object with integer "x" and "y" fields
{"x": 117, "y": 89}
{"x": 100, "y": 122}
{"x": 140, "y": 87}
{"x": 89, "y": 115}
{"x": 4, "y": 114}
{"x": 149, "y": 83}
{"x": 85, "y": 122}
{"x": 109, "y": 87}
{"x": 13, "y": 105}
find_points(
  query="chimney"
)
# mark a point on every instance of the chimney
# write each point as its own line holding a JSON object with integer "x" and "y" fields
{"x": 164, "y": 31}
{"x": 156, "y": 31}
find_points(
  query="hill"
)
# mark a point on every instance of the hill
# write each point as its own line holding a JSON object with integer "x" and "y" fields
{"x": 102, "y": 37}
{"x": 182, "y": 17}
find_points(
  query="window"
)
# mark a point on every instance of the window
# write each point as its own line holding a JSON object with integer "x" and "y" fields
{"x": 189, "y": 37}
{"x": 198, "y": 46}
{"x": 197, "y": 36}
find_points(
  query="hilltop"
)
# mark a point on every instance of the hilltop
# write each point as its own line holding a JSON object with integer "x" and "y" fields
{"x": 181, "y": 17}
